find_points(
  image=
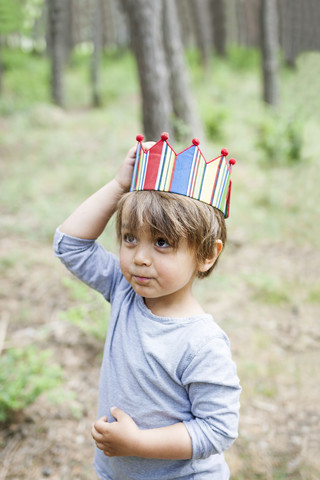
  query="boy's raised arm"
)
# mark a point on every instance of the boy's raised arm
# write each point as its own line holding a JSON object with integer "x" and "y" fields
{"x": 90, "y": 219}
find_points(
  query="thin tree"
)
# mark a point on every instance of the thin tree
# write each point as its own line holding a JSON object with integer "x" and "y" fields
{"x": 181, "y": 94}
{"x": 201, "y": 16}
{"x": 290, "y": 37}
{"x": 218, "y": 16}
{"x": 57, "y": 49}
{"x": 68, "y": 28}
{"x": 96, "y": 54}
{"x": 145, "y": 21}
{"x": 269, "y": 47}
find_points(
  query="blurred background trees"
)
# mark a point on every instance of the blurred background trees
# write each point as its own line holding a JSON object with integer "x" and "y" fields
{"x": 159, "y": 33}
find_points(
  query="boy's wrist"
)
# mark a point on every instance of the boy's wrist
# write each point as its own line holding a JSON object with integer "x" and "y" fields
{"x": 122, "y": 188}
{"x": 171, "y": 442}
{"x": 144, "y": 445}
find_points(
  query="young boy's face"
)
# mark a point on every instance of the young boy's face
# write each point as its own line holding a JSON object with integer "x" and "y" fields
{"x": 153, "y": 267}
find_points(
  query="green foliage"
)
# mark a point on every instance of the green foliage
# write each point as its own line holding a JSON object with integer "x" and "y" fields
{"x": 19, "y": 94}
{"x": 269, "y": 289}
{"x": 280, "y": 140}
{"x": 11, "y": 17}
{"x": 214, "y": 121}
{"x": 18, "y": 16}
{"x": 91, "y": 313}
{"x": 24, "y": 375}
{"x": 243, "y": 58}
{"x": 314, "y": 294}
{"x": 181, "y": 129}
{"x": 116, "y": 69}
{"x": 31, "y": 11}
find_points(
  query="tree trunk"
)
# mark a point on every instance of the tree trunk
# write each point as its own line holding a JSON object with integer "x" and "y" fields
{"x": 181, "y": 95}
{"x": 289, "y": 21}
{"x": 68, "y": 29}
{"x": 55, "y": 33}
{"x": 202, "y": 25}
{"x": 241, "y": 22}
{"x": 218, "y": 15}
{"x": 186, "y": 23}
{"x": 269, "y": 45}
{"x": 96, "y": 54}
{"x": 115, "y": 21}
{"x": 232, "y": 25}
{"x": 145, "y": 21}
{"x": 252, "y": 9}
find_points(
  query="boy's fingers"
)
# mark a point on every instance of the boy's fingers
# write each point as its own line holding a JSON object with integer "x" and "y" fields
{"x": 132, "y": 151}
{"x": 117, "y": 413}
{"x": 100, "y": 425}
{"x": 96, "y": 435}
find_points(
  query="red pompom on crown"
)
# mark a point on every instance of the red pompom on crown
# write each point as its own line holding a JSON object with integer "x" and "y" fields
{"x": 164, "y": 136}
{"x": 224, "y": 152}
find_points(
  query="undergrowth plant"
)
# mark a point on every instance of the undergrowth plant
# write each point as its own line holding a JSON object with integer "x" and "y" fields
{"x": 280, "y": 140}
{"x": 25, "y": 373}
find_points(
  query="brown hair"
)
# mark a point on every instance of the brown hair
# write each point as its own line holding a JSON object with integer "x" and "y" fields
{"x": 174, "y": 217}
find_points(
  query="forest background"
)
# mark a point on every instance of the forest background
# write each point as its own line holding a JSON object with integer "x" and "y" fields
{"x": 78, "y": 81}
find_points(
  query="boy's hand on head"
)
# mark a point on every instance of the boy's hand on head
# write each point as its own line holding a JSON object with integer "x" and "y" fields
{"x": 124, "y": 174}
{"x": 118, "y": 438}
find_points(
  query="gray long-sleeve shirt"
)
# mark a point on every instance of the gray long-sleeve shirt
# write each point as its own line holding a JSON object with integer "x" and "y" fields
{"x": 160, "y": 371}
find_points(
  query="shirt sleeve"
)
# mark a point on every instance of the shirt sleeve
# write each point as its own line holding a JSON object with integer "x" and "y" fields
{"x": 214, "y": 390}
{"x": 88, "y": 261}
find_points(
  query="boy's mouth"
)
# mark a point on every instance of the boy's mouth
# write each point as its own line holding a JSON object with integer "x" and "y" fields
{"x": 141, "y": 280}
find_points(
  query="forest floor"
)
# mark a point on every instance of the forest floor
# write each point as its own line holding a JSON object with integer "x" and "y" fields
{"x": 265, "y": 292}
{"x": 276, "y": 349}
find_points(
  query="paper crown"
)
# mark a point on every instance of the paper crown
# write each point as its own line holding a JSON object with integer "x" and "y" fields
{"x": 187, "y": 173}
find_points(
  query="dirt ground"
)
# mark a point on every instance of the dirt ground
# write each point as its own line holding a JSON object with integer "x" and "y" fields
{"x": 276, "y": 349}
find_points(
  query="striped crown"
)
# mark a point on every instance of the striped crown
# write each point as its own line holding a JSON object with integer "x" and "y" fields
{"x": 186, "y": 173}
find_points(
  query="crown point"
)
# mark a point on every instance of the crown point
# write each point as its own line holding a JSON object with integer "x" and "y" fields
{"x": 195, "y": 141}
{"x": 139, "y": 138}
{"x": 164, "y": 136}
{"x": 232, "y": 161}
{"x": 224, "y": 152}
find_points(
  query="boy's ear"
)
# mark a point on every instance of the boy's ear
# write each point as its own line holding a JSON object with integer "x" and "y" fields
{"x": 207, "y": 263}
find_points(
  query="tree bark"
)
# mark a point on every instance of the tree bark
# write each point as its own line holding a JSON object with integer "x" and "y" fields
{"x": 96, "y": 54}
{"x": 55, "y": 31}
{"x": 252, "y": 8}
{"x": 241, "y": 22}
{"x": 186, "y": 23}
{"x": 290, "y": 21}
{"x": 68, "y": 29}
{"x": 181, "y": 95}
{"x": 269, "y": 45}
{"x": 145, "y": 21}
{"x": 203, "y": 32}
{"x": 218, "y": 15}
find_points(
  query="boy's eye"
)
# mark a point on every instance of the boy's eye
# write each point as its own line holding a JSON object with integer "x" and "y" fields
{"x": 162, "y": 243}
{"x": 129, "y": 238}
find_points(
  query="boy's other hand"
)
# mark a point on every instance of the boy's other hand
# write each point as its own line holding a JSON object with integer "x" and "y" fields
{"x": 124, "y": 175}
{"x": 118, "y": 438}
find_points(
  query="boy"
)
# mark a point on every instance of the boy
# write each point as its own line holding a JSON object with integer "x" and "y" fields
{"x": 169, "y": 392}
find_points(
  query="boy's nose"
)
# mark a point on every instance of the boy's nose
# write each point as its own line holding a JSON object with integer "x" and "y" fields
{"x": 142, "y": 255}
